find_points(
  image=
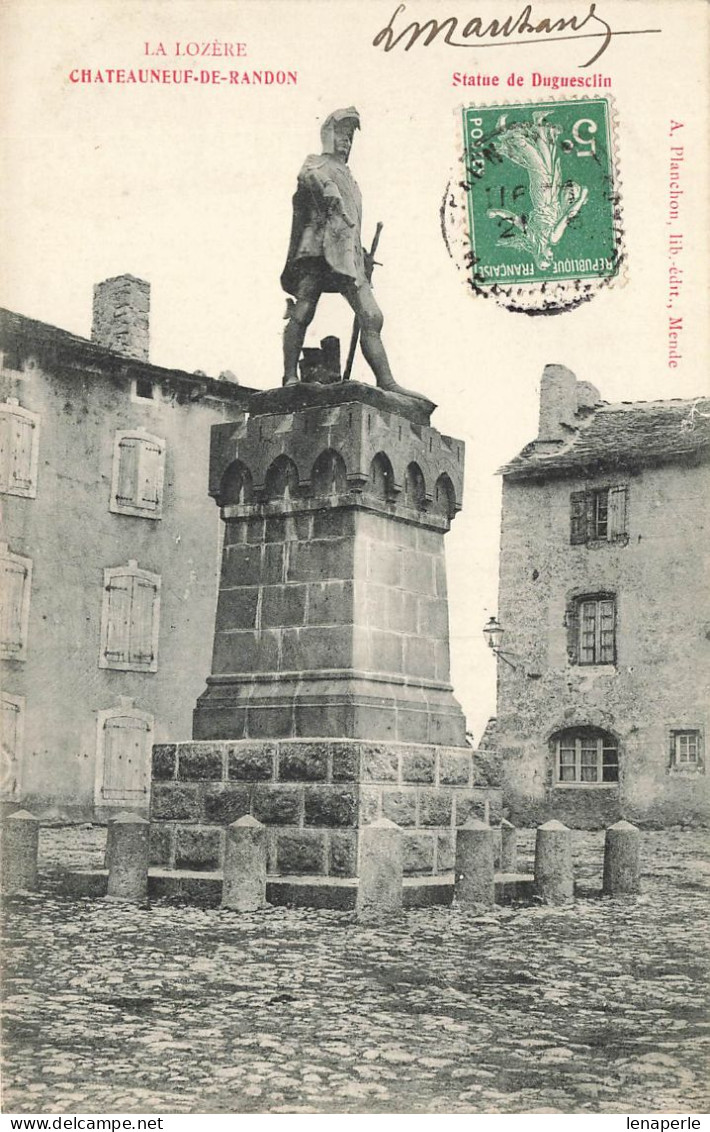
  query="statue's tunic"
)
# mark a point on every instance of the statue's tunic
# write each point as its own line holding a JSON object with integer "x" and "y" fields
{"x": 322, "y": 240}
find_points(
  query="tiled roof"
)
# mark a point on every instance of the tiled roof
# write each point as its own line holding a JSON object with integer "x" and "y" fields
{"x": 632, "y": 433}
{"x": 22, "y": 338}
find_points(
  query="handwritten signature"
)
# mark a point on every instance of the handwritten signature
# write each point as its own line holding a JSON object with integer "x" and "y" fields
{"x": 524, "y": 24}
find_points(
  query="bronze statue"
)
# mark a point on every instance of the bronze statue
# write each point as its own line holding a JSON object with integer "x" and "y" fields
{"x": 325, "y": 252}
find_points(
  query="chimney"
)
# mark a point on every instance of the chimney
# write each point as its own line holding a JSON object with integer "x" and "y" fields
{"x": 588, "y": 396}
{"x": 558, "y": 403}
{"x": 121, "y": 316}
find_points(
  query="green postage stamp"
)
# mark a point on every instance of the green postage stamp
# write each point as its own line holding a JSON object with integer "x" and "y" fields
{"x": 537, "y": 216}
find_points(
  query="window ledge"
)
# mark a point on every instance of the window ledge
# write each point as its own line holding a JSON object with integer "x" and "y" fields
{"x": 594, "y": 669}
{"x": 117, "y": 666}
{"x": 685, "y": 771}
{"x": 136, "y": 512}
{"x": 596, "y": 543}
{"x": 585, "y": 786}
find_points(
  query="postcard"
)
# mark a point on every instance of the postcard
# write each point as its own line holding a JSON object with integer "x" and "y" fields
{"x": 354, "y": 430}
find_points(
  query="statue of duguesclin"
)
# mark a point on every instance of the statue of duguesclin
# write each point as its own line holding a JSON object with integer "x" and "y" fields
{"x": 326, "y": 253}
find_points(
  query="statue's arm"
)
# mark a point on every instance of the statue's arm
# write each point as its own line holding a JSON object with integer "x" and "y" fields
{"x": 315, "y": 177}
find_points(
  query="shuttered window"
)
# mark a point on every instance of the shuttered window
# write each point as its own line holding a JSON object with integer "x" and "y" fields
{"x": 124, "y": 742}
{"x": 15, "y": 585}
{"x": 19, "y": 447}
{"x": 11, "y": 728}
{"x": 124, "y": 757}
{"x": 138, "y": 473}
{"x": 598, "y": 516}
{"x": 129, "y": 638}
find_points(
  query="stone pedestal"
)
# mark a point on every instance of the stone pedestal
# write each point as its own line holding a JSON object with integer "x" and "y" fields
{"x": 622, "y": 869}
{"x": 475, "y": 873}
{"x": 127, "y": 852}
{"x": 329, "y": 704}
{"x": 19, "y": 844}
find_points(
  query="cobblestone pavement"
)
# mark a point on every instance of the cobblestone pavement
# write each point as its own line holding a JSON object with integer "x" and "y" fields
{"x": 594, "y": 1008}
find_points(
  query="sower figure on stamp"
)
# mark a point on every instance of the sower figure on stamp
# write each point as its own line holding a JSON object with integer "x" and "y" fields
{"x": 325, "y": 252}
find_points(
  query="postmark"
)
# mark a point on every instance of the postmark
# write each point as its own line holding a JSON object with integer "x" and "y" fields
{"x": 532, "y": 216}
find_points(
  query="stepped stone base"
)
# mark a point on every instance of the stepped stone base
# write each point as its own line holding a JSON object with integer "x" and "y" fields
{"x": 313, "y": 795}
{"x": 205, "y": 889}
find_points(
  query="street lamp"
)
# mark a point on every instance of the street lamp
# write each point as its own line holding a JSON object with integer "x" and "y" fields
{"x": 493, "y": 631}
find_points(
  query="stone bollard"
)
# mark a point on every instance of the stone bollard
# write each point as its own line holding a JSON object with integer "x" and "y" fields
{"x": 622, "y": 870}
{"x": 127, "y": 858}
{"x": 475, "y": 874}
{"x": 244, "y": 885}
{"x": 508, "y": 847}
{"x": 381, "y": 867}
{"x": 20, "y": 843}
{"x": 554, "y": 874}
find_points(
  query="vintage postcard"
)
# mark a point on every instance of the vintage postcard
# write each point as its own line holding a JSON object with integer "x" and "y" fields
{"x": 354, "y": 437}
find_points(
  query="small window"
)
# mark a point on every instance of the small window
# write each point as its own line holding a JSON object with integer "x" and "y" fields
{"x": 591, "y": 626}
{"x": 19, "y": 450}
{"x": 686, "y": 750}
{"x": 15, "y": 587}
{"x": 143, "y": 389}
{"x": 138, "y": 473}
{"x": 12, "y": 709}
{"x": 124, "y": 742}
{"x": 130, "y": 619}
{"x": 585, "y": 756}
{"x": 598, "y": 516}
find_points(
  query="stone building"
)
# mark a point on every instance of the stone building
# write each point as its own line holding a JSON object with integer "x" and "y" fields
{"x": 603, "y": 659}
{"x": 109, "y": 553}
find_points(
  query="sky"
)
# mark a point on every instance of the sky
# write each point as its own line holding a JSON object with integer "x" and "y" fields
{"x": 190, "y": 188}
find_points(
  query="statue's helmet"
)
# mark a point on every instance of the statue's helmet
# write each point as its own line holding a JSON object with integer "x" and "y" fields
{"x": 327, "y": 130}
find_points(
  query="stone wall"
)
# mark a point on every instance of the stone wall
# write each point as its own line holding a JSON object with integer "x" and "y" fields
{"x": 82, "y": 396}
{"x": 658, "y": 682}
{"x": 313, "y": 795}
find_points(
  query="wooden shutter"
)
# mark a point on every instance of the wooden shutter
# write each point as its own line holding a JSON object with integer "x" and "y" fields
{"x": 617, "y": 513}
{"x": 10, "y": 733}
{"x": 118, "y": 595}
{"x": 22, "y": 440}
{"x": 571, "y": 623}
{"x": 125, "y": 757}
{"x": 12, "y": 595}
{"x": 578, "y": 517}
{"x": 149, "y": 474}
{"x": 10, "y": 720}
{"x": 128, "y": 458}
{"x": 5, "y": 449}
{"x": 17, "y": 436}
{"x": 142, "y": 615}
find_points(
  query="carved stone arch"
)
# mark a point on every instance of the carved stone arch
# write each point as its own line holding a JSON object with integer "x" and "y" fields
{"x": 236, "y": 485}
{"x": 281, "y": 480}
{"x": 329, "y": 475}
{"x": 414, "y": 487}
{"x": 444, "y": 502}
{"x": 382, "y": 476}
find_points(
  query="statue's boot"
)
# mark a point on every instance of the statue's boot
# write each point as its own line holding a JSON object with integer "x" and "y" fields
{"x": 389, "y": 385}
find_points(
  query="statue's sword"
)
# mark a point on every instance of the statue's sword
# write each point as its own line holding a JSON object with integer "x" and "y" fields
{"x": 356, "y": 325}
